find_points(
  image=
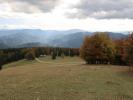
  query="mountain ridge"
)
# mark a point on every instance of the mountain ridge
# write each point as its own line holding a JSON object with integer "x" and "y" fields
{"x": 36, "y": 37}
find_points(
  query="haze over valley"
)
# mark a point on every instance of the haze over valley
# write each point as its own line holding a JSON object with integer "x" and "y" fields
{"x": 19, "y": 38}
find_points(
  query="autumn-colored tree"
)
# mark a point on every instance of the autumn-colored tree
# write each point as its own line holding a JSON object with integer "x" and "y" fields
{"x": 130, "y": 50}
{"x": 121, "y": 51}
{"x": 97, "y": 49}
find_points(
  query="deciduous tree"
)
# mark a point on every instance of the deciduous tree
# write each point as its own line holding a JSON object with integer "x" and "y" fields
{"x": 97, "y": 49}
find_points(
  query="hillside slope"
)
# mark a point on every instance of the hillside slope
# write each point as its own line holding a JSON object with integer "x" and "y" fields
{"x": 26, "y": 37}
{"x": 64, "y": 79}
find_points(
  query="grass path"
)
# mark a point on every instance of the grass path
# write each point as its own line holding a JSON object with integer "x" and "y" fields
{"x": 59, "y": 64}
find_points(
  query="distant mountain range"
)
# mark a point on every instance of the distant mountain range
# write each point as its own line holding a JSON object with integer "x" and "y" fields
{"x": 36, "y": 37}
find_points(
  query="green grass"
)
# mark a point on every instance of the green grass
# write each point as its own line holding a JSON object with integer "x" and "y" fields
{"x": 64, "y": 79}
{"x": 19, "y": 63}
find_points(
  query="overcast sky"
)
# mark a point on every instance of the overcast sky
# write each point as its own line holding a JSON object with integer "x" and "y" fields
{"x": 91, "y": 15}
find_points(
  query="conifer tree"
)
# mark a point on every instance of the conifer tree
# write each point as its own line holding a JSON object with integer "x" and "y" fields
{"x": 53, "y": 55}
{"x": 30, "y": 55}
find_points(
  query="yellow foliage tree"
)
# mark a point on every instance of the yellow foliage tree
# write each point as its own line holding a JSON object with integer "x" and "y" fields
{"x": 97, "y": 49}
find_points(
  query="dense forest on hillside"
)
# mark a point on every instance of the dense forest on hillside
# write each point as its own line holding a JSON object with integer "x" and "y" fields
{"x": 11, "y": 55}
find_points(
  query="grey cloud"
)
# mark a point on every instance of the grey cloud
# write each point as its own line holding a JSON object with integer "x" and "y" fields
{"x": 31, "y": 6}
{"x": 103, "y": 9}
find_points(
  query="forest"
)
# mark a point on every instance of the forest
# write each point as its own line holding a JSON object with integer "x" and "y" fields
{"x": 12, "y": 55}
{"x": 96, "y": 49}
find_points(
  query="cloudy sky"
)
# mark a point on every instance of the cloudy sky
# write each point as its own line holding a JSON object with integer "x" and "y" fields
{"x": 91, "y": 15}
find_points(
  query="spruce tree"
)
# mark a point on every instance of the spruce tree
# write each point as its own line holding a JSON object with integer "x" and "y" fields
{"x": 53, "y": 55}
{"x": 30, "y": 56}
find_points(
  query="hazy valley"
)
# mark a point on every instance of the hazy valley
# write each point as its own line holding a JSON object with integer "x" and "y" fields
{"x": 36, "y": 37}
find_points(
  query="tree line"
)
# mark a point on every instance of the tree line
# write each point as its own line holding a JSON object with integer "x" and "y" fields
{"x": 11, "y": 55}
{"x": 101, "y": 49}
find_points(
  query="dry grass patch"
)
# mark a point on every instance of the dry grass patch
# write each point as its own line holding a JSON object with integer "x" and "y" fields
{"x": 43, "y": 81}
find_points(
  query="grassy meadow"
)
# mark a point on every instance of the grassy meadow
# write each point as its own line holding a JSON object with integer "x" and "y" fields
{"x": 64, "y": 79}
